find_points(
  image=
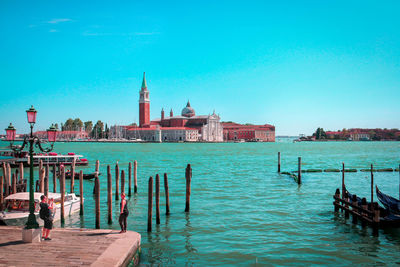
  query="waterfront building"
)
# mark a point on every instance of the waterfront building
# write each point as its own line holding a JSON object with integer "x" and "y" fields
{"x": 65, "y": 135}
{"x": 187, "y": 127}
{"x": 251, "y": 133}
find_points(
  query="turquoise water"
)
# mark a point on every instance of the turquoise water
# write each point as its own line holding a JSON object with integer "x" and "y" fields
{"x": 242, "y": 211}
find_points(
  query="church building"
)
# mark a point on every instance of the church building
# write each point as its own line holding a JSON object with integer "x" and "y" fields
{"x": 186, "y": 127}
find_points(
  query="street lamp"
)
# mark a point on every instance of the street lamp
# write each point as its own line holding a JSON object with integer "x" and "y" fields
{"x": 32, "y": 140}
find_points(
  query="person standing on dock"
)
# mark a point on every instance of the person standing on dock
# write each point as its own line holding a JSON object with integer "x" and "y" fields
{"x": 124, "y": 212}
{"x": 46, "y": 216}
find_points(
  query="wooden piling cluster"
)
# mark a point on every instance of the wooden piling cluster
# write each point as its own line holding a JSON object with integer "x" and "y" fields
{"x": 11, "y": 182}
{"x": 365, "y": 212}
{"x": 188, "y": 177}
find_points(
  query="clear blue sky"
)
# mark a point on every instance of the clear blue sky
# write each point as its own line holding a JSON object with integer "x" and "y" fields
{"x": 297, "y": 65}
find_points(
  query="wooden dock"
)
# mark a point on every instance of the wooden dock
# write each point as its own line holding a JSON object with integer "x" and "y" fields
{"x": 70, "y": 247}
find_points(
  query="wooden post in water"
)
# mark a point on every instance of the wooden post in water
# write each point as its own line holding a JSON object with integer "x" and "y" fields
{"x": 21, "y": 172}
{"x": 364, "y": 205}
{"x": 188, "y": 176}
{"x": 46, "y": 181}
{"x": 372, "y": 184}
{"x": 62, "y": 191}
{"x": 279, "y": 162}
{"x": 299, "y": 171}
{"x": 399, "y": 181}
{"x": 9, "y": 178}
{"x": 109, "y": 194}
{"x": 54, "y": 179}
{"x": 355, "y": 203}
{"x": 1, "y": 192}
{"x": 72, "y": 176}
{"x": 336, "y": 202}
{"x": 6, "y": 183}
{"x": 130, "y": 179}
{"x": 97, "y": 200}
{"x": 135, "y": 176}
{"x": 116, "y": 181}
{"x": 14, "y": 183}
{"x": 166, "y": 194}
{"x": 122, "y": 181}
{"x": 343, "y": 181}
{"x": 376, "y": 219}
{"x": 346, "y": 211}
{"x": 40, "y": 166}
{"x": 150, "y": 204}
{"x": 81, "y": 192}
{"x": 97, "y": 172}
{"x": 157, "y": 199}
{"x": 41, "y": 177}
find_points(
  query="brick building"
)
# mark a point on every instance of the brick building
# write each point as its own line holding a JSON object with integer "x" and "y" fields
{"x": 257, "y": 133}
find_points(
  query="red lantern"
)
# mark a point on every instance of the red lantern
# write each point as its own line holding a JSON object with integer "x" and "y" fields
{"x": 10, "y": 133}
{"x": 52, "y": 134}
{"x": 31, "y": 115}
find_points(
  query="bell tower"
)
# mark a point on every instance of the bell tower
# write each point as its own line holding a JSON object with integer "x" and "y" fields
{"x": 144, "y": 104}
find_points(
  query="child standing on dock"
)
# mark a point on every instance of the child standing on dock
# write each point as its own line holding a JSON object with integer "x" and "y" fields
{"x": 124, "y": 212}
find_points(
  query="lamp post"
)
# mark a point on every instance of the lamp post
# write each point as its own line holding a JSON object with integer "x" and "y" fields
{"x": 32, "y": 140}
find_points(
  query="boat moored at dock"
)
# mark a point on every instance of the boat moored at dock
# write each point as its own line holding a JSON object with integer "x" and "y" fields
{"x": 17, "y": 207}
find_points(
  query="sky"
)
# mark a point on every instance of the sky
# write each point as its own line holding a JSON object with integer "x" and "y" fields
{"x": 298, "y": 65}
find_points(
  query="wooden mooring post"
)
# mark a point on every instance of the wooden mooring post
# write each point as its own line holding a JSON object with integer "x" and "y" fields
{"x": 279, "y": 162}
{"x": 299, "y": 171}
{"x": 54, "y": 179}
{"x": 372, "y": 183}
{"x": 166, "y": 194}
{"x": 116, "y": 181}
{"x": 130, "y": 179}
{"x": 62, "y": 191}
{"x": 122, "y": 181}
{"x": 150, "y": 204}
{"x": 1, "y": 192}
{"x": 41, "y": 183}
{"x": 109, "y": 194}
{"x": 97, "y": 200}
{"x": 188, "y": 176}
{"x": 46, "y": 181}
{"x": 81, "y": 192}
{"x": 97, "y": 173}
{"x": 135, "y": 177}
{"x": 343, "y": 180}
{"x": 14, "y": 184}
{"x": 21, "y": 172}
{"x": 157, "y": 199}
{"x": 72, "y": 176}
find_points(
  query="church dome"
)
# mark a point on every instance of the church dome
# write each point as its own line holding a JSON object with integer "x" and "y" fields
{"x": 188, "y": 111}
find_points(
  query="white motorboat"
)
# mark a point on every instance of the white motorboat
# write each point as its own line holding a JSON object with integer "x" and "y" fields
{"x": 17, "y": 207}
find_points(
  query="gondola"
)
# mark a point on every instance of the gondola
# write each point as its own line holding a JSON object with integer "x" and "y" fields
{"x": 87, "y": 176}
{"x": 389, "y": 213}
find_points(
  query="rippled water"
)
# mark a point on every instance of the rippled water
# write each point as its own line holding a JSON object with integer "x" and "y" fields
{"x": 242, "y": 211}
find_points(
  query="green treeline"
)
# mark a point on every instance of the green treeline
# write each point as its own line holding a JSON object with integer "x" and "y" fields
{"x": 97, "y": 131}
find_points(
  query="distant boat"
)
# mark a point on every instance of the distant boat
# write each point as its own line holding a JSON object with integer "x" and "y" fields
{"x": 47, "y": 158}
{"x": 86, "y": 176}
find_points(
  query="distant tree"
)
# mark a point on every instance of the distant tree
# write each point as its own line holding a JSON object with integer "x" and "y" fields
{"x": 88, "y": 126}
{"x": 56, "y": 125}
{"x": 106, "y": 131}
{"x": 62, "y": 127}
{"x": 69, "y": 125}
{"x": 77, "y": 124}
{"x": 98, "y": 129}
{"x": 319, "y": 134}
